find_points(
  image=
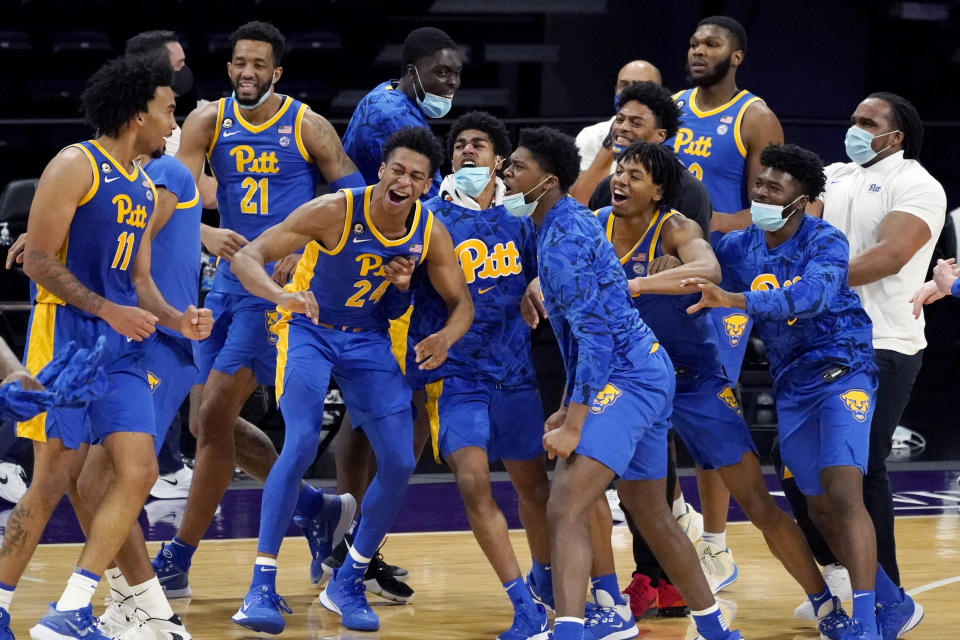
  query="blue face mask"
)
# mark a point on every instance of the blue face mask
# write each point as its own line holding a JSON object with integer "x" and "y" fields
{"x": 769, "y": 217}
{"x": 859, "y": 144}
{"x": 259, "y": 102}
{"x": 473, "y": 180}
{"x": 432, "y": 105}
{"x": 516, "y": 204}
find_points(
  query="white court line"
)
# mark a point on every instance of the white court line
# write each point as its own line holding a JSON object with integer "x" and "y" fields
{"x": 933, "y": 585}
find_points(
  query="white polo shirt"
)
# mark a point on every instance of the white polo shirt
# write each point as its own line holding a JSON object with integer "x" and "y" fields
{"x": 856, "y": 200}
{"x": 590, "y": 140}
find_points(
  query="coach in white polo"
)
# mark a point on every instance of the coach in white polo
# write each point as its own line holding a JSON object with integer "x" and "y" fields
{"x": 892, "y": 212}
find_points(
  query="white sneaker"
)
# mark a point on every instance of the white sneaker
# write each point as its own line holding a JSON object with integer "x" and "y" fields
{"x": 691, "y": 522}
{"x": 155, "y": 629}
{"x": 173, "y": 485}
{"x": 13, "y": 482}
{"x": 718, "y": 566}
{"x": 838, "y": 580}
{"x": 613, "y": 499}
{"x": 119, "y": 615}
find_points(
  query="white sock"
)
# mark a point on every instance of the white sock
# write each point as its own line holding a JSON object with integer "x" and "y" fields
{"x": 79, "y": 591}
{"x": 6, "y": 597}
{"x": 118, "y": 584}
{"x": 679, "y": 507}
{"x": 359, "y": 558}
{"x": 716, "y": 539}
{"x": 150, "y": 598}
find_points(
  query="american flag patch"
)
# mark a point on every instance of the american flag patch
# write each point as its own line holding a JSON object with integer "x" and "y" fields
{"x": 416, "y": 248}
{"x": 640, "y": 257}
{"x": 287, "y": 129}
{"x": 726, "y": 119}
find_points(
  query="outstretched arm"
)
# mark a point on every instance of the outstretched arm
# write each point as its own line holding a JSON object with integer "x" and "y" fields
{"x": 446, "y": 276}
{"x": 682, "y": 238}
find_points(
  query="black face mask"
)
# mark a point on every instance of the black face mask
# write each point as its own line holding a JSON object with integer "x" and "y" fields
{"x": 182, "y": 80}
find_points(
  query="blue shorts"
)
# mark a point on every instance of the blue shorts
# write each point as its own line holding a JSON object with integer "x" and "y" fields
{"x": 733, "y": 331}
{"x": 709, "y": 420}
{"x": 825, "y": 425}
{"x": 362, "y": 363}
{"x": 507, "y": 423}
{"x": 128, "y": 407}
{"x": 241, "y": 337}
{"x": 626, "y": 426}
{"x": 170, "y": 373}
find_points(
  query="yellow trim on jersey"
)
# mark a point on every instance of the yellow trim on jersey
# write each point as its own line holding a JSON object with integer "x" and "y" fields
{"x": 96, "y": 176}
{"x": 194, "y": 201}
{"x": 44, "y": 296}
{"x": 347, "y": 219}
{"x": 625, "y": 257}
{"x": 129, "y": 176}
{"x": 736, "y": 125}
{"x": 428, "y": 229}
{"x": 434, "y": 391}
{"x": 298, "y": 136}
{"x": 399, "y": 328}
{"x": 282, "y": 329}
{"x": 221, "y": 104}
{"x": 373, "y": 229}
{"x": 656, "y": 232}
{"x": 257, "y": 128}
{"x": 677, "y": 95}
{"x": 39, "y": 353}
{"x": 704, "y": 114}
{"x": 302, "y": 276}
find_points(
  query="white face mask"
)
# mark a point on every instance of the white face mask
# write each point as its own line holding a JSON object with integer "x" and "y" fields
{"x": 516, "y": 204}
{"x": 769, "y": 217}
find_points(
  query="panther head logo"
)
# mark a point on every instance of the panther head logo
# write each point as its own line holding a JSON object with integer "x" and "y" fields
{"x": 726, "y": 394}
{"x": 605, "y": 398}
{"x": 272, "y": 317}
{"x": 153, "y": 381}
{"x": 733, "y": 325}
{"x": 858, "y": 402}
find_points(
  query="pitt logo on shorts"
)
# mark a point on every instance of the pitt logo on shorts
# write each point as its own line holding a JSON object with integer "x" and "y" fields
{"x": 271, "y": 318}
{"x": 153, "y": 381}
{"x": 858, "y": 402}
{"x": 605, "y": 398}
{"x": 733, "y": 326}
{"x": 726, "y": 394}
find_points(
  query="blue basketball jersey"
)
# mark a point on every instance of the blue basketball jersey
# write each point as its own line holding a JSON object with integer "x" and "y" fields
{"x": 348, "y": 280}
{"x": 690, "y": 340}
{"x": 497, "y": 252}
{"x": 710, "y": 145}
{"x": 263, "y": 173}
{"x": 107, "y": 228}
{"x": 175, "y": 255}
{"x": 797, "y": 294}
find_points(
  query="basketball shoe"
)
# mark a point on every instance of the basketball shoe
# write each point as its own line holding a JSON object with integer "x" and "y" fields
{"x": 173, "y": 576}
{"x": 326, "y": 529}
{"x": 691, "y": 523}
{"x": 171, "y": 486}
{"x": 644, "y": 599}
{"x": 5, "y": 633}
{"x": 118, "y": 616}
{"x": 383, "y": 579}
{"x": 350, "y": 601}
{"x": 837, "y": 578}
{"x": 262, "y": 610}
{"x": 718, "y": 566}
{"x": 542, "y": 593}
{"x": 148, "y": 628}
{"x": 895, "y": 619}
{"x": 609, "y": 621}
{"x": 63, "y": 625}
{"x": 837, "y": 625}
{"x": 671, "y": 603}
{"x": 529, "y": 623}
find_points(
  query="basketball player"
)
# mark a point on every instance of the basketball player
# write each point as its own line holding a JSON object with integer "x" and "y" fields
{"x": 706, "y": 415}
{"x": 618, "y": 392}
{"x": 483, "y": 398}
{"x": 91, "y": 210}
{"x": 791, "y": 272}
{"x": 332, "y": 325}
{"x": 265, "y": 151}
{"x": 724, "y": 130}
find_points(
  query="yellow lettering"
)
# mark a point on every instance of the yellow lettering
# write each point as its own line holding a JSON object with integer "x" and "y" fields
{"x": 242, "y": 154}
{"x": 764, "y": 282}
{"x": 264, "y": 163}
{"x": 696, "y": 170}
{"x": 124, "y": 205}
{"x": 126, "y": 214}
{"x": 684, "y": 136}
{"x": 370, "y": 262}
{"x": 472, "y": 254}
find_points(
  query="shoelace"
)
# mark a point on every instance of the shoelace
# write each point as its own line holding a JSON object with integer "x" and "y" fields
{"x": 272, "y": 598}
{"x": 601, "y": 616}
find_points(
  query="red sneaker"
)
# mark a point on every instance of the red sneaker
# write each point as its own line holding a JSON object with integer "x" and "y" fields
{"x": 643, "y": 597}
{"x": 672, "y": 604}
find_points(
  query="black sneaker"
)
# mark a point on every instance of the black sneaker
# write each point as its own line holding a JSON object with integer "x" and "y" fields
{"x": 381, "y": 580}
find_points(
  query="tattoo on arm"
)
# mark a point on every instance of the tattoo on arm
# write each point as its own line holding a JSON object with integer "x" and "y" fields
{"x": 54, "y": 276}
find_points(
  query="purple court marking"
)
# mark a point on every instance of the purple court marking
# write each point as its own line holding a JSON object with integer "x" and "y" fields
{"x": 436, "y": 506}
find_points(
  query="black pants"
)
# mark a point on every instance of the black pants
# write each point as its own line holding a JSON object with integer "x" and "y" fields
{"x": 642, "y": 555}
{"x": 169, "y": 459}
{"x": 897, "y": 373}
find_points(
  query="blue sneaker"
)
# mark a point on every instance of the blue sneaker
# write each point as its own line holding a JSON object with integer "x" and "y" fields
{"x": 542, "y": 593}
{"x": 609, "y": 622}
{"x": 350, "y": 601}
{"x": 894, "y": 620}
{"x": 731, "y": 635}
{"x": 5, "y": 633}
{"x": 261, "y": 610}
{"x": 66, "y": 625}
{"x": 837, "y": 625}
{"x": 174, "y": 580}
{"x": 325, "y": 530}
{"x": 529, "y": 623}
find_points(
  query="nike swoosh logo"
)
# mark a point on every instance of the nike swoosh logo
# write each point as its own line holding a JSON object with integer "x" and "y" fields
{"x": 173, "y": 482}
{"x": 227, "y": 134}
{"x": 268, "y": 569}
{"x": 791, "y": 321}
{"x": 129, "y": 339}
{"x": 483, "y": 291}
{"x": 358, "y": 240}
{"x": 358, "y": 566}
{"x": 111, "y": 179}
{"x": 859, "y": 595}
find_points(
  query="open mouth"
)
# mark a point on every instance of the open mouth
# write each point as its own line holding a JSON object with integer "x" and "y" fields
{"x": 619, "y": 196}
{"x": 247, "y": 85}
{"x": 621, "y": 140}
{"x": 396, "y": 197}
{"x": 469, "y": 162}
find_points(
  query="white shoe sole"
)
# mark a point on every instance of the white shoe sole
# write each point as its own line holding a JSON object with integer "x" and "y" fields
{"x": 328, "y": 603}
{"x": 623, "y": 635}
{"x": 914, "y": 620}
{"x": 40, "y": 632}
{"x": 372, "y": 586}
{"x": 173, "y": 594}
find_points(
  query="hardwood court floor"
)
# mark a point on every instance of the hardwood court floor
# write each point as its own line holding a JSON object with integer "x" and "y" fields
{"x": 459, "y": 598}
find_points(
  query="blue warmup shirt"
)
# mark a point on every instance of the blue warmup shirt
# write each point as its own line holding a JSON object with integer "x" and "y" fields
{"x": 380, "y": 114}
{"x": 586, "y": 296}
{"x": 497, "y": 252}
{"x": 797, "y": 294}
{"x": 175, "y": 251}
